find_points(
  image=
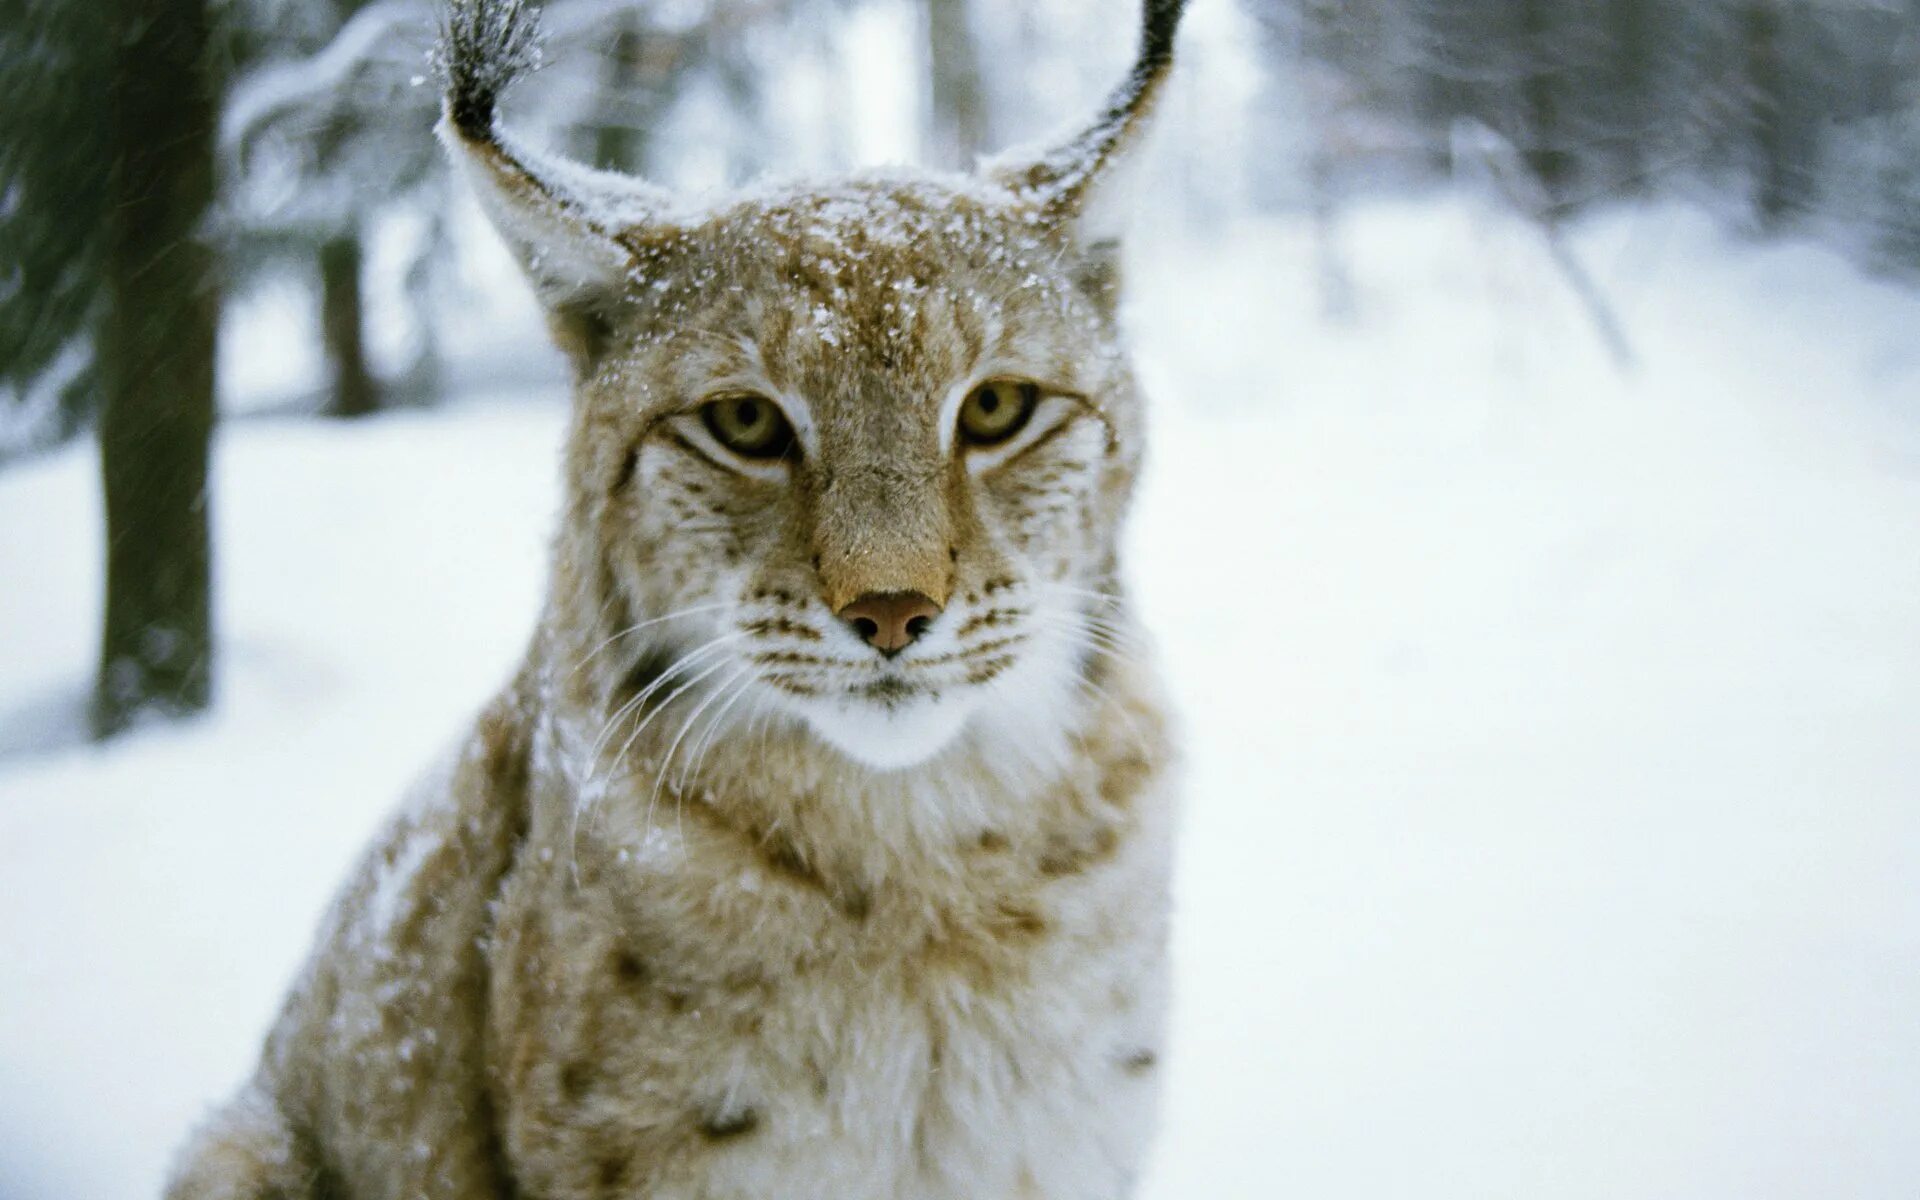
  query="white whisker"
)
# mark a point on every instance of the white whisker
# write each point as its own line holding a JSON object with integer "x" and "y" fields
{"x": 1101, "y": 694}
{"x": 666, "y": 760}
{"x": 679, "y": 664}
{"x": 596, "y": 778}
{"x": 1093, "y": 637}
{"x": 626, "y": 746}
{"x": 705, "y": 742}
{"x": 630, "y": 630}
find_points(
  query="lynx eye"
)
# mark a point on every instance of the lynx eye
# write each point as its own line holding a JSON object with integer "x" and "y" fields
{"x": 750, "y": 426}
{"x": 996, "y": 410}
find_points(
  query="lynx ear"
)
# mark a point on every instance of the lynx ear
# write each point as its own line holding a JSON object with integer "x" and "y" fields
{"x": 563, "y": 221}
{"x": 1082, "y": 183}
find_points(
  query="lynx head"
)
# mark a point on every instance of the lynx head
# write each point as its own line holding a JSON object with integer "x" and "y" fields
{"x": 857, "y": 453}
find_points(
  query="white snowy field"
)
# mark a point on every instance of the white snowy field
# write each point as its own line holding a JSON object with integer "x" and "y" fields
{"x": 1553, "y": 824}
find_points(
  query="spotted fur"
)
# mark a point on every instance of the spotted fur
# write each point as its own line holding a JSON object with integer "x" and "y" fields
{"x": 715, "y": 902}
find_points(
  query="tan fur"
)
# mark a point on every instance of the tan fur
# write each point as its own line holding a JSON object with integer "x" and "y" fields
{"x": 649, "y": 933}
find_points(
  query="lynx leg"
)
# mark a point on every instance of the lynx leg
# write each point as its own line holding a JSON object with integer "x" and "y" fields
{"x": 245, "y": 1151}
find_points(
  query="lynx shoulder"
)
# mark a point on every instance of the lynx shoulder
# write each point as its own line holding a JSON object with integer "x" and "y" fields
{"x": 820, "y": 846}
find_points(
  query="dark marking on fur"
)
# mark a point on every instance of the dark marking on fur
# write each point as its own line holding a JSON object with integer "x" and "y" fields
{"x": 972, "y": 653}
{"x": 694, "y": 449}
{"x": 1123, "y": 781}
{"x": 612, "y": 1171}
{"x": 629, "y": 463}
{"x": 783, "y": 858}
{"x": 784, "y": 625}
{"x": 1140, "y": 1062}
{"x": 936, "y": 1044}
{"x": 504, "y": 743}
{"x": 791, "y": 686}
{"x": 856, "y": 904}
{"x": 1040, "y": 443}
{"x": 1065, "y": 857}
{"x": 993, "y": 618}
{"x": 990, "y": 670}
{"x": 889, "y": 690}
{"x": 1022, "y": 920}
{"x": 644, "y": 673}
{"x": 790, "y": 658}
{"x": 629, "y": 969}
{"x": 723, "y": 1126}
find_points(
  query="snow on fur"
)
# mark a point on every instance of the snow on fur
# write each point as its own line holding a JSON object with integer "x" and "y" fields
{"x": 484, "y": 46}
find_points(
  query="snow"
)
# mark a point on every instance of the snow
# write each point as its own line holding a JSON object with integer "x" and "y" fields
{"x": 1551, "y": 823}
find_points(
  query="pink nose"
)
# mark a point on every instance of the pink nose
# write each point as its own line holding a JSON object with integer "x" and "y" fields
{"x": 890, "y": 621}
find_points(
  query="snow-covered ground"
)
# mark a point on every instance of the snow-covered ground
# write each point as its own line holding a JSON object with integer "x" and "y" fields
{"x": 1554, "y": 813}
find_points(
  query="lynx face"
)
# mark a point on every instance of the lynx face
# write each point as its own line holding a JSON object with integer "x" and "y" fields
{"x": 854, "y": 453}
{"x": 894, "y": 388}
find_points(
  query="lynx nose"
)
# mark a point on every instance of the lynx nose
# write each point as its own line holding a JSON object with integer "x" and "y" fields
{"x": 890, "y": 621}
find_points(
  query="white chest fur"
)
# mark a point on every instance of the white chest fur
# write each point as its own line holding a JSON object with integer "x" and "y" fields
{"x": 708, "y": 1015}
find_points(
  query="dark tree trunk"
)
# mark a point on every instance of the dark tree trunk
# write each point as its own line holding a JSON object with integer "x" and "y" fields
{"x": 1546, "y": 150}
{"x": 1633, "y": 76}
{"x": 959, "y": 130}
{"x": 156, "y": 366}
{"x": 1766, "y": 79}
{"x": 342, "y": 321}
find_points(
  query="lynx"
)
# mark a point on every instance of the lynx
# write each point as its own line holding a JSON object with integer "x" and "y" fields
{"x": 819, "y": 849}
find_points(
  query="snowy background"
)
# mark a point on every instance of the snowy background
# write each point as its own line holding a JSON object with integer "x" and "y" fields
{"x": 1553, "y": 816}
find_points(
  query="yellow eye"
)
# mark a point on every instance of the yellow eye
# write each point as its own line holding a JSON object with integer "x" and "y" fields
{"x": 750, "y": 426}
{"x": 997, "y": 410}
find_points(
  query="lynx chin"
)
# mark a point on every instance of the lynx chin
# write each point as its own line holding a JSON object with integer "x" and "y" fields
{"x": 819, "y": 848}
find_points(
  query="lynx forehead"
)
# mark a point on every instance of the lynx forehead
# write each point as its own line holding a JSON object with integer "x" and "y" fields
{"x": 819, "y": 849}
{"x": 881, "y": 293}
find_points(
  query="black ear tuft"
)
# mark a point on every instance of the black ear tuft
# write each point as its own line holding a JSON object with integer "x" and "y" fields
{"x": 484, "y": 46}
{"x": 1063, "y": 179}
{"x": 1159, "y": 22}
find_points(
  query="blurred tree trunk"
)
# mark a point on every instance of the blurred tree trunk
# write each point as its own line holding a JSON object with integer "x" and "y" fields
{"x": 157, "y": 365}
{"x": 343, "y": 324}
{"x": 1633, "y": 48}
{"x": 1766, "y": 81}
{"x": 618, "y": 145}
{"x": 959, "y": 103}
{"x": 1546, "y": 149}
